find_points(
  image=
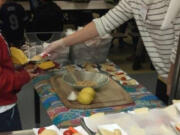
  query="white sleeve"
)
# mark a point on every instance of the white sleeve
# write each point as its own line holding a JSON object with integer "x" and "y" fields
{"x": 115, "y": 17}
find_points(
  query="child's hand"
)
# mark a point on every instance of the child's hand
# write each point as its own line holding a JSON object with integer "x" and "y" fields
{"x": 31, "y": 73}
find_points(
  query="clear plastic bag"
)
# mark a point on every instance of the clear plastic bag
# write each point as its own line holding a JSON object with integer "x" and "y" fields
{"x": 33, "y": 51}
{"x": 155, "y": 122}
{"x": 93, "y": 51}
{"x": 63, "y": 56}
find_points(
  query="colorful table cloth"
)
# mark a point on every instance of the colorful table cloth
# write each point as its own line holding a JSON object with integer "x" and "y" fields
{"x": 63, "y": 116}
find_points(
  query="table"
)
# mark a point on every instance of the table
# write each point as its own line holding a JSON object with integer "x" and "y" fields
{"x": 21, "y": 132}
{"x": 62, "y": 116}
{"x": 68, "y": 5}
{"x": 71, "y": 10}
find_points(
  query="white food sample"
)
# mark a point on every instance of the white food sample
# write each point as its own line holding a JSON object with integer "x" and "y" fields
{"x": 72, "y": 96}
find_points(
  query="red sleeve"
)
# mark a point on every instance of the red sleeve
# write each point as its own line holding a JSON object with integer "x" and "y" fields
{"x": 10, "y": 79}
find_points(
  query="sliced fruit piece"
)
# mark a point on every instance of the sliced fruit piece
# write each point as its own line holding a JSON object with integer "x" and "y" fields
{"x": 41, "y": 130}
{"x": 46, "y": 65}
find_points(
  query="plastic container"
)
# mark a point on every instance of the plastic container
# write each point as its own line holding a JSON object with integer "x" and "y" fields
{"x": 41, "y": 37}
{"x": 36, "y": 41}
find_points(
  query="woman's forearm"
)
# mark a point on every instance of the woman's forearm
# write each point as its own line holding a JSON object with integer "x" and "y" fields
{"x": 88, "y": 32}
{"x": 169, "y": 80}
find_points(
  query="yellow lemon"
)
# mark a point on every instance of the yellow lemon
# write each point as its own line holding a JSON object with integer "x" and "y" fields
{"x": 89, "y": 91}
{"x": 84, "y": 98}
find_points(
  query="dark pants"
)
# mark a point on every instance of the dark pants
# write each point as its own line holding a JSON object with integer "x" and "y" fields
{"x": 10, "y": 120}
{"x": 161, "y": 91}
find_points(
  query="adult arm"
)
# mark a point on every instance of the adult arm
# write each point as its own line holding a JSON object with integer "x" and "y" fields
{"x": 169, "y": 80}
{"x": 172, "y": 67}
{"x": 100, "y": 26}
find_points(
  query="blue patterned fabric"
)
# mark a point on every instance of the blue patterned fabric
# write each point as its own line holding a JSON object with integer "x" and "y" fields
{"x": 63, "y": 116}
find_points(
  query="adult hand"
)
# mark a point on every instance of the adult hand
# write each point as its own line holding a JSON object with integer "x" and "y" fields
{"x": 53, "y": 50}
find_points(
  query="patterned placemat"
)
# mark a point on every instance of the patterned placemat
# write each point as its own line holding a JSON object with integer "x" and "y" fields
{"x": 62, "y": 116}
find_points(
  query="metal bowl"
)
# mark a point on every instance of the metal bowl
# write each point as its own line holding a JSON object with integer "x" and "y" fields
{"x": 99, "y": 79}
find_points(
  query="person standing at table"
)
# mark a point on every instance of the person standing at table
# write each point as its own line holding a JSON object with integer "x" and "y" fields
{"x": 11, "y": 81}
{"x": 161, "y": 44}
{"x": 12, "y": 22}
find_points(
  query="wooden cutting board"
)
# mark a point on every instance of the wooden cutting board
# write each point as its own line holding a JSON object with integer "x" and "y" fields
{"x": 112, "y": 94}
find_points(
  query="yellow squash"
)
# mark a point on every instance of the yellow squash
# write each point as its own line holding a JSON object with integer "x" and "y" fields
{"x": 46, "y": 65}
{"x": 18, "y": 57}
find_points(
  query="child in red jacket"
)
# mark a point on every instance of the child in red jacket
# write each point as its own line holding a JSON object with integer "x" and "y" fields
{"x": 11, "y": 82}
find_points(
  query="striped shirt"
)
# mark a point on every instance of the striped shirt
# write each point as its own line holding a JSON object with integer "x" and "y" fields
{"x": 161, "y": 45}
